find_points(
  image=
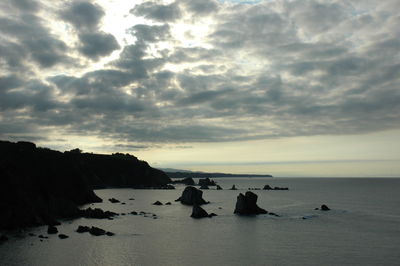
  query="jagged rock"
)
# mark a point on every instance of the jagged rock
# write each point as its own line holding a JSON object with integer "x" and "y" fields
{"x": 157, "y": 203}
{"x": 219, "y": 187}
{"x": 113, "y": 200}
{"x": 97, "y": 231}
{"x": 324, "y": 207}
{"x": 206, "y": 182}
{"x": 192, "y": 196}
{"x": 83, "y": 229}
{"x": 52, "y": 230}
{"x": 198, "y": 212}
{"x": 233, "y": 187}
{"x": 97, "y": 213}
{"x": 204, "y": 187}
{"x": 62, "y": 236}
{"x": 267, "y": 187}
{"x": 247, "y": 204}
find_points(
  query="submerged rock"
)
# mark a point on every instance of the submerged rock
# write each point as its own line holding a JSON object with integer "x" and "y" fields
{"x": 192, "y": 196}
{"x": 83, "y": 229}
{"x": 325, "y": 208}
{"x": 52, "y": 230}
{"x": 62, "y": 236}
{"x": 97, "y": 231}
{"x": 247, "y": 204}
{"x": 113, "y": 200}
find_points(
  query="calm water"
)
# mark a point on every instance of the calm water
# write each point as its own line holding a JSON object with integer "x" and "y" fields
{"x": 363, "y": 228}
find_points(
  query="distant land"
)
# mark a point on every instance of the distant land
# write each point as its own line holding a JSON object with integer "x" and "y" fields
{"x": 177, "y": 173}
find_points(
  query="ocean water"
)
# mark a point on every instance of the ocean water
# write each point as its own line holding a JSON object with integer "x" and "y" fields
{"x": 363, "y": 228}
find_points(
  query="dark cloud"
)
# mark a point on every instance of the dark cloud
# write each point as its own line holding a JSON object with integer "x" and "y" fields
{"x": 203, "y": 7}
{"x": 147, "y": 33}
{"x": 157, "y": 12}
{"x": 96, "y": 45}
{"x": 84, "y": 15}
{"x": 33, "y": 39}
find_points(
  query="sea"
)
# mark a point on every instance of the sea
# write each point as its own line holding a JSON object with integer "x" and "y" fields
{"x": 362, "y": 227}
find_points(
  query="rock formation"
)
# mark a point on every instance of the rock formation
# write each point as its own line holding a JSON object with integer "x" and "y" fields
{"x": 247, "y": 204}
{"x": 192, "y": 196}
{"x": 188, "y": 181}
{"x": 206, "y": 182}
{"x": 198, "y": 212}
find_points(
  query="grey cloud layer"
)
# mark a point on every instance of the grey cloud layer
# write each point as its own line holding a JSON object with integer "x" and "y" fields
{"x": 271, "y": 69}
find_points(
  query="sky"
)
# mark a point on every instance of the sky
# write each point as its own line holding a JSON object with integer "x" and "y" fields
{"x": 281, "y": 87}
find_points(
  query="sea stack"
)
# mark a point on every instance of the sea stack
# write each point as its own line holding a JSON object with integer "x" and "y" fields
{"x": 247, "y": 204}
{"x": 192, "y": 196}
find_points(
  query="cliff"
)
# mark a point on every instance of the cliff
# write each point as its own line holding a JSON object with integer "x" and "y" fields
{"x": 39, "y": 185}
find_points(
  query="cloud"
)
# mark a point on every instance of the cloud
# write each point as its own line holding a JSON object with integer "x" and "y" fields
{"x": 157, "y": 12}
{"x": 96, "y": 45}
{"x": 84, "y": 15}
{"x": 252, "y": 71}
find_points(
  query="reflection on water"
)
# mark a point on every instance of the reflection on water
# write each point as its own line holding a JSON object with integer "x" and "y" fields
{"x": 362, "y": 228}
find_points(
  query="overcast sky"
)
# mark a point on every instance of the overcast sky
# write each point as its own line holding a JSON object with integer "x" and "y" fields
{"x": 307, "y": 87}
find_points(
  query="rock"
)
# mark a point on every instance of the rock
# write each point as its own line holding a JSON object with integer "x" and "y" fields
{"x": 191, "y": 196}
{"x": 62, "y": 236}
{"x": 233, "y": 187}
{"x": 267, "y": 187}
{"x": 3, "y": 238}
{"x": 134, "y": 213}
{"x": 131, "y": 199}
{"x": 324, "y": 208}
{"x": 204, "y": 187}
{"x": 212, "y": 215}
{"x": 97, "y": 231}
{"x": 157, "y": 203}
{"x": 206, "y": 182}
{"x": 52, "y": 230}
{"x": 110, "y": 233}
{"x": 168, "y": 203}
{"x": 186, "y": 181}
{"x": 198, "y": 212}
{"x": 123, "y": 203}
{"x": 281, "y": 188}
{"x": 219, "y": 187}
{"x": 97, "y": 213}
{"x": 83, "y": 229}
{"x": 42, "y": 236}
{"x": 246, "y": 204}
{"x": 113, "y": 200}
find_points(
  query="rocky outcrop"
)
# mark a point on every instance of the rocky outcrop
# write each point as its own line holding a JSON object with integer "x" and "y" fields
{"x": 188, "y": 181}
{"x": 192, "y": 196}
{"x": 247, "y": 204}
{"x": 39, "y": 185}
{"x": 198, "y": 212}
{"x": 96, "y": 213}
{"x": 206, "y": 182}
{"x": 219, "y": 187}
{"x": 233, "y": 187}
{"x": 268, "y": 187}
{"x": 325, "y": 208}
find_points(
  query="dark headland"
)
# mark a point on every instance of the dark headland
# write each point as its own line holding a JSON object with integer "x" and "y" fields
{"x": 40, "y": 185}
{"x": 185, "y": 174}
